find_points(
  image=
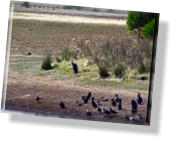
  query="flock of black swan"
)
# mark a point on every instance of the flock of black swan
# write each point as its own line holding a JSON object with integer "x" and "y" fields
{"x": 111, "y": 111}
{"x": 115, "y": 102}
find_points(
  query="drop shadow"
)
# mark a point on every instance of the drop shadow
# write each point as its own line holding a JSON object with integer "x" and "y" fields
{"x": 159, "y": 76}
{"x": 154, "y": 127}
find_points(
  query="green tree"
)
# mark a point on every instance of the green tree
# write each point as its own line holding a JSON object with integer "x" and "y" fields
{"x": 137, "y": 20}
{"x": 148, "y": 29}
{"x": 143, "y": 22}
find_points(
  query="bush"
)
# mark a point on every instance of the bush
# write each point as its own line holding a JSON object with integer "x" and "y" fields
{"x": 137, "y": 20}
{"x": 46, "y": 62}
{"x": 103, "y": 72}
{"x": 25, "y": 4}
{"x": 119, "y": 71}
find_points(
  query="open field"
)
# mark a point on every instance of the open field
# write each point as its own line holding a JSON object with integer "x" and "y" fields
{"x": 39, "y": 35}
{"x": 26, "y": 79}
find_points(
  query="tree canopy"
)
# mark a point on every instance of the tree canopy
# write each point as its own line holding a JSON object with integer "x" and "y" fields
{"x": 142, "y": 21}
{"x": 148, "y": 29}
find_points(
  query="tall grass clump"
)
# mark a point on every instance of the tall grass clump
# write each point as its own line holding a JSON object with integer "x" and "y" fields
{"x": 145, "y": 66}
{"x": 66, "y": 54}
{"x": 103, "y": 72}
{"x": 119, "y": 71}
{"x": 47, "y": 61}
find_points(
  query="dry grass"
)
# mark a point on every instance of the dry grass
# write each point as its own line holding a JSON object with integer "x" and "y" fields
{"x": 38, "y": 35}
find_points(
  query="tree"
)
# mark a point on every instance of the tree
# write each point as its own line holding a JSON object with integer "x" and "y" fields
{"x": 148, "y": 29}
{"x": 137, "y": 20}
{"x": 143, "y": 22}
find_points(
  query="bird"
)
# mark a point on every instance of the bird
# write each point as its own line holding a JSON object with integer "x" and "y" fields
{"x": 99, "y": 103}
{"x": 94, "y": 104}
{"x": 99, "y": 110}
{"x": 88, "y": 113}
{"x": 89, "y": 95}
{"x": 139, "y": 99}
{"x": 38, "y": 99}
{"x": 104, "y": 99}
{"x": 106, "y": 111}
{"x": 29, "y": 53}
{"x": 112, "y": 111}
{"x": 120, "y": 104}
{"x": 74, "y": 67}
{"x": 113, "y": 102}
{"x": 117, "y": 97}
{"x": 137, "y": 118}
{"x": 62, "y": 105}
{"x": 134, "y": 106}
{"x": 86, "y": 98}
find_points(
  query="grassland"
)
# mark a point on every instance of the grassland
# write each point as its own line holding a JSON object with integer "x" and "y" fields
{"x": 38, "y": 35}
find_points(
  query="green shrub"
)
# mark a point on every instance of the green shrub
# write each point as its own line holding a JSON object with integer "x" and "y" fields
{"x": 46, "y": 62}
{"x": 119, "y": 71}
{"x": 103, "y": 72}
{"x": 137, "y": 20}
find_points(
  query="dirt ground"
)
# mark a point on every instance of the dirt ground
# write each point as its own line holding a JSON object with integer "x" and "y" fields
{"x": 22, "y": 90}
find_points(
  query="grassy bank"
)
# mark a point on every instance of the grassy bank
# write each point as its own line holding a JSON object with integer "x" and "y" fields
{"x": 88, "y": 73}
